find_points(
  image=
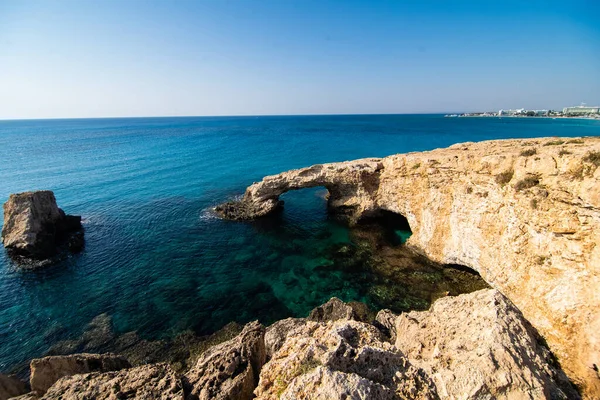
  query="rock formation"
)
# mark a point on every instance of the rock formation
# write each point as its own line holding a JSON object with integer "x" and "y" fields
{"x": 148, "y": 382}
{"x": 229, "y": 370}
{"x": 479, "y": 345}
{"x": 475, "y": 346}
{"x": 525, "y": 214}
{"x": 11, "y": 387}
{"x": 35, "y": 228}
{"x": 46, "y": 371}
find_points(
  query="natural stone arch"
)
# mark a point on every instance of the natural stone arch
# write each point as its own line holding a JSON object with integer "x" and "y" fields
{"x": 352, "y": 187}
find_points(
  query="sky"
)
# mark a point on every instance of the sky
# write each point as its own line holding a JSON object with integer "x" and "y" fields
{"x": 80, "y": 59}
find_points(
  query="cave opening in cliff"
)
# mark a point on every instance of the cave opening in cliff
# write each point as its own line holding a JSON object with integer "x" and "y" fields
{"x": 393, "y": 226}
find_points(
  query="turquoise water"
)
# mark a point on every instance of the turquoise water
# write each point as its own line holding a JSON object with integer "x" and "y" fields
{"x": 156, "y": 258}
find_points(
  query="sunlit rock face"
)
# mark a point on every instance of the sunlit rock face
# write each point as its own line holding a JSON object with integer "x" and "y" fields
{"x": 35, "y": 229}
{"x": 525, "y": 214}
{"x": 472, "y": 346}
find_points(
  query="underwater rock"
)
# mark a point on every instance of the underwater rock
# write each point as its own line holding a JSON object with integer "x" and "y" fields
{"x": 148, "y": 382}
{"x": 35, "y": 229}
{"x": 472, "y": 204}
{"x": 11, "y": 387}
{"x": 229, "y": 370}
{"x": 46, "y": 371}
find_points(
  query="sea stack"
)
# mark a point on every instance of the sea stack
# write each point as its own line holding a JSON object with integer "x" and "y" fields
{"x": 35, "y": 229}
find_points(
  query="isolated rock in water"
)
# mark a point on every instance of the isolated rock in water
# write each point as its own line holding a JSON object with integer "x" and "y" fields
{"x": 338, "y": 360}
{"x": 148, "y": 382}
{"x": 11, "y": 387}
{"x": 523, "y": 213}
{"x": 46, "y": 371}
{"x": 35, "y": 228}
{"x": 478, "y": 345}
{"x": 231, "y": 369}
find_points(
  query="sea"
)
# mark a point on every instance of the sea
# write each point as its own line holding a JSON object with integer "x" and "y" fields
{"x": 159, "y": 262}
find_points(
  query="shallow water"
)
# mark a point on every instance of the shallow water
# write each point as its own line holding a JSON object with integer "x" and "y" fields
{"x": 159, "y": 262}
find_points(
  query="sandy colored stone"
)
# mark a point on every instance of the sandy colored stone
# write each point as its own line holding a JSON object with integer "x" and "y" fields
{"x": 277, "y": 333}
{"x": 231, "y": 369}
{"x": 34, "y": 226}
{"x": 530, "y": 225}
{"x": 11, "y": 387}
{"x": 340, "y": 358}
{"x": 148, "y": 382}
{"x": 478, "y": 346}
{"x": 46, "y": 371}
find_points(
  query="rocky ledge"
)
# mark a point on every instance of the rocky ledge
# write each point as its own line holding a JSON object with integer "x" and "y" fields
{"x": 36, "y": 230}
{"x": 473, "y": 346}
{"x": 525, "y": 214}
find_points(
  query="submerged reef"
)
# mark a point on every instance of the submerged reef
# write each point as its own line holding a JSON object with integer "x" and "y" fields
{"x": 523, "y": 213}
{"x": 35, "y": 230}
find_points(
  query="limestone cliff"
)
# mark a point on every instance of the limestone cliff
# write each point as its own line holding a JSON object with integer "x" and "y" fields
{"x": 524, "y": 213}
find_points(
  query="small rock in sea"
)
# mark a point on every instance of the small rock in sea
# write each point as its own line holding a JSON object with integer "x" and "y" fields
{"x": 35, "y": 230}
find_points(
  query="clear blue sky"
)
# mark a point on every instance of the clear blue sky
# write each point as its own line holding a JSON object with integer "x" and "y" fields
{"x": 234, "y": 57}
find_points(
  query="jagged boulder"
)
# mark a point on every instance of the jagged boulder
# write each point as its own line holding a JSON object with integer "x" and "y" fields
{"x": 11, "y": 387}
{"x": 36, "y": 229}
{"x": 342, "y": 359}
{"x": 229, "y": 370}
{"x": 479, "y": 346}
{"x": 46, "y": 371}
{"x": 148, "y": 382}
{"x": 473, "y": 346}
{"x": 277, "y": 333}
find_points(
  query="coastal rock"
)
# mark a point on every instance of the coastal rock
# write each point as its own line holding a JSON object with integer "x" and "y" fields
{"x": 478, "y": 345}
{"x": 333, "y": 310}
{"x": 231, "y": 369}
{"x": 148, "y": 382}
{"x": 524, "y": 213}
{"x": 34, "y": 227}
{"x": 11, "y": 387}
{"x": 473, "y": 346}
{"x": 46, "y": 371}
{"x": 351, "y": 186}
{"x": 338, "y": 360}
{"x": 277, "y": 334}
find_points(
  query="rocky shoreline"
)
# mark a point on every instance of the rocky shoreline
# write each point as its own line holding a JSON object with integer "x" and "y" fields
{"x": 475, "y": 345}
{"x": 524, "y": 214}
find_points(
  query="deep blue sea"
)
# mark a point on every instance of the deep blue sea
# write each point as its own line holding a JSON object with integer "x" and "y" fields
{"x": 158, "y": 261}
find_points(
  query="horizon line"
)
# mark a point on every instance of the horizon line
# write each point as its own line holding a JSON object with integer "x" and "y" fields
{"x": 232, "y": 116}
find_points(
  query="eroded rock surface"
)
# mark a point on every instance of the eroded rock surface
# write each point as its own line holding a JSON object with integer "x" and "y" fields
{"x": 35, "y": 228}
{"x": 525, "y": 214}
{"x": 478, "y": 345}
{"x": 11, "y": 387}
{"x": 148, "y": 382}
{"x": 351, "y": 185}
{"x": 340, "y": 358}
{"x": 231, "y": 369}
{"x": 46, "y": 371}
{"x": 473, "y": 346}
